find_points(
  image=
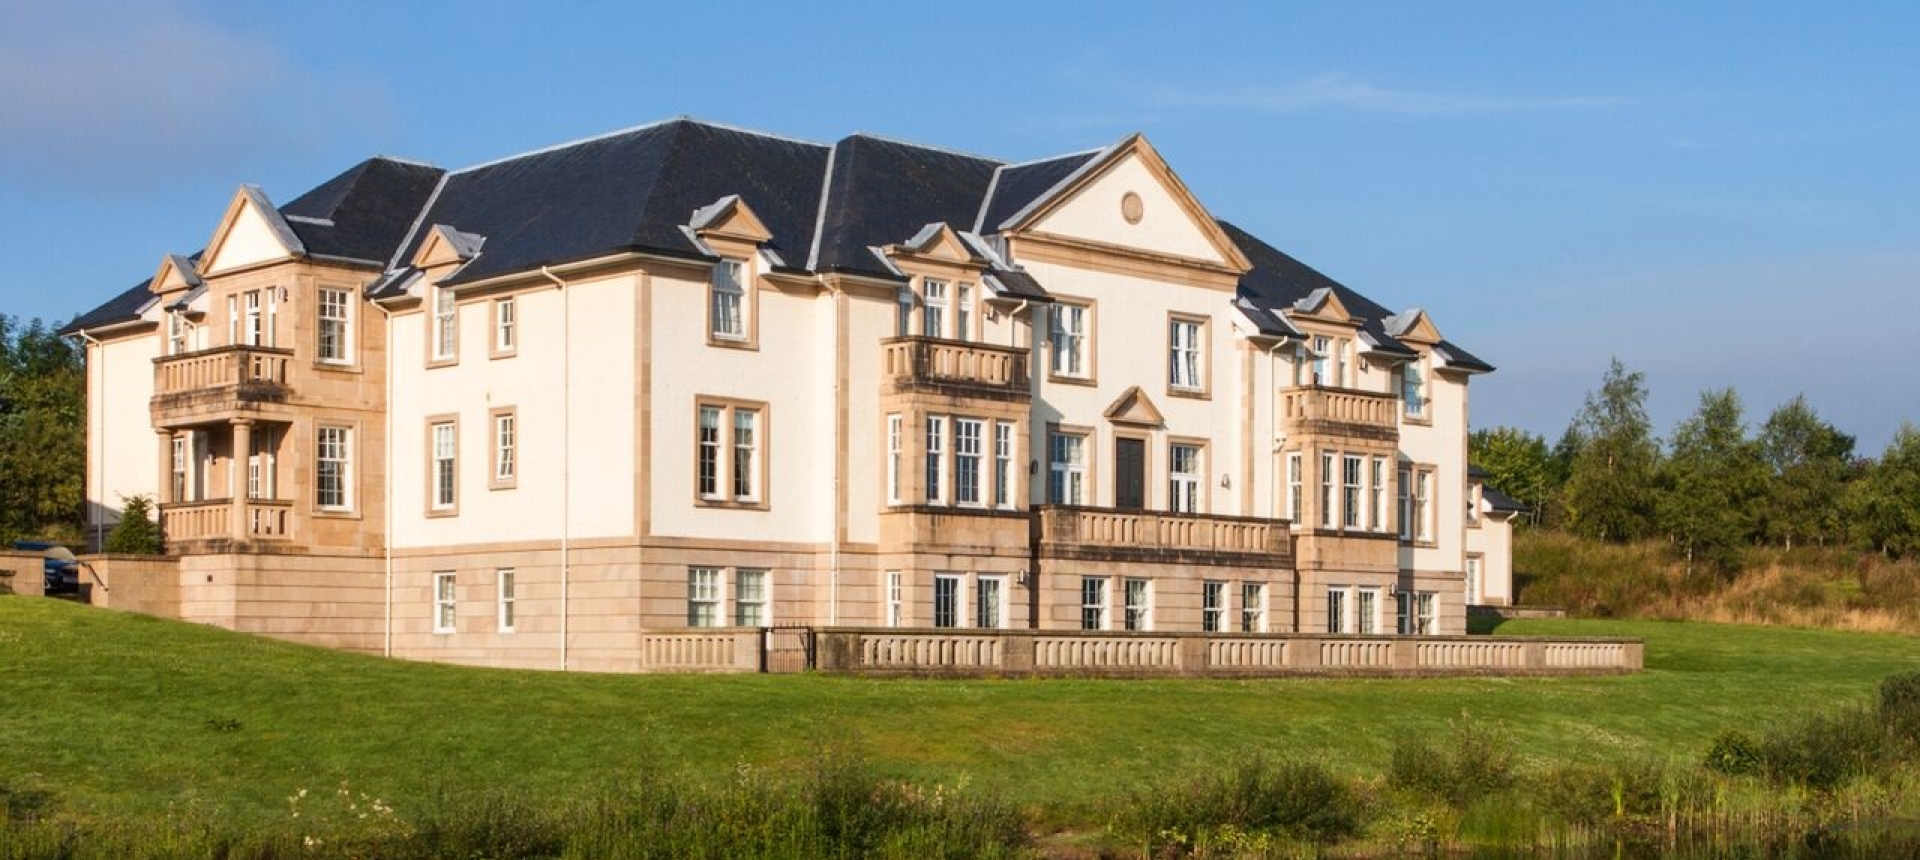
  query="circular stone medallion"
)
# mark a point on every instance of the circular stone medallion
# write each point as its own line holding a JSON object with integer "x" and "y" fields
{"x": 1131, "y": 208}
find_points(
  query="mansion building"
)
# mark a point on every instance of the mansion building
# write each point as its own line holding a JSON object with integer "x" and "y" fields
{"x": 690, "y": 376}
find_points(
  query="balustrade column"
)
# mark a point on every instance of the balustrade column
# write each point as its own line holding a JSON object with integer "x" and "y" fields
{"x": 236, "y": 464}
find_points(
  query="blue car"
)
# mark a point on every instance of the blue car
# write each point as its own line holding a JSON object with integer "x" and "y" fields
{"x": 62, "y": 569}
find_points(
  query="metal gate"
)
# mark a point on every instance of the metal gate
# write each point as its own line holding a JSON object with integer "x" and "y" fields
{"x": 786, "y": 649}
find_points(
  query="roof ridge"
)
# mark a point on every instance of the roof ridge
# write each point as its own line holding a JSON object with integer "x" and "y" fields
{"x": 900, "y": 141}
{"x": 407, "y": 240}
{"x": 820, "y": 217}
{"x": 1064, "y": 183}
{"x": 401, "y": 160}
{"x": 1061, "y": 157}
{"x": 681, "y": 119}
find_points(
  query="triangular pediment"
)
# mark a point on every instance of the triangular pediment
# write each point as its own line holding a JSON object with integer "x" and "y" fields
{"x": 176, "y": 273}
{"x": 1129, "y": 198}
{"x": 445, "y": 245}
{"x": 1323, "y": 305}
{"x": 1135, "y": 407}
{"x": 1413, "y": 326}
{"x": 936, "y": 241}
{"x": 729, "y": 218}
{"x": 252, "y": 232}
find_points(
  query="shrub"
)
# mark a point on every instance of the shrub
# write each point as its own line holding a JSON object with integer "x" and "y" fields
{"x": 1734, "y": 753}
{"x": 1477, "y": 761}
{"x": 1824, "y": 751}
{"x": 1253, "y": 802}
{"x": 136, "y": 533}
{"x": 1900, "y": 708}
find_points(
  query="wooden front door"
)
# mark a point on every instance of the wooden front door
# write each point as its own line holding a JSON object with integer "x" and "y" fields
{"x": 1129, "y": 473}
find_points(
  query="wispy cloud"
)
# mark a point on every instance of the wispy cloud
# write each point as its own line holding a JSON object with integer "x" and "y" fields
{"x": 1339, "y": 92}
{"x": 97, "y": 95}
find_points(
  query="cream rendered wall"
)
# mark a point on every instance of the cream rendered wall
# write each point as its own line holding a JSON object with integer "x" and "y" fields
{"x": 1130, "y": 348}
{"x": 249, "y": 241}
{"x": 534, "y": 382}
{"x": 1493, "y": 541}
{"x": 781, "y": 373}
{"x": 123, "y": 456}
{"x": 1442, "y": 444}
{"x": 869, "y": 321}
{"x": 1094, "y": 213}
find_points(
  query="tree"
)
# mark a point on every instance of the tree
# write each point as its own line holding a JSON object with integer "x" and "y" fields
{"x": 42, "y": 433}
{"x": 1517, "y": 463}
{"x": 136, "y": 533}
{"x": 1807, "y": 458}
{"x": 1884, "y": 504}
{"x": 1712, "y": 482}
{"x": 1609, "y": 493}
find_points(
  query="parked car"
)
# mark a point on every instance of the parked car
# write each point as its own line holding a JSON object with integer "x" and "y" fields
{"x": 62, "y": 569}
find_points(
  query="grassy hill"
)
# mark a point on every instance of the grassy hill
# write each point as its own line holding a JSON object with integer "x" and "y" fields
{"x": 113, "y": 714}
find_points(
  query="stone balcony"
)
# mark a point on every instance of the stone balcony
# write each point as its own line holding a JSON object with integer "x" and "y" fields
{"x": 212, "y": 380}
{"x": 1323, "y": 410}
{"x": 223, "y": 522}
{"x": 955, "y": 367}
{"x": 1086, "y": 532}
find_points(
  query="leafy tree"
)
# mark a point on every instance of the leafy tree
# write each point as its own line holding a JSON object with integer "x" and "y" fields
{"x": 1517, "y": 463}
{"x": 1712, "y": 482}
{"x": 42, "y": 432}
{"x": 1609, "y": 493}
{"x": 1807, "y": 458}
{"x": 136, "y": 534}
{"x": 1884, "y": 504}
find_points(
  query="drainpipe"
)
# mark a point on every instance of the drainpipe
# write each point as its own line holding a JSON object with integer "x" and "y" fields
{"x": 566, "y": 451}
{"x": 386, "y": 542}
{"x": 98, "y": 540}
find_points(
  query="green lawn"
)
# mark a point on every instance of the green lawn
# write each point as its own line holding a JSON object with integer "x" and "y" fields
{"x": 112, "y": 714}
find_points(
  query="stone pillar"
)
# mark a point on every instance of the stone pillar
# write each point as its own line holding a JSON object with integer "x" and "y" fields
{"x": 242, "y": 450}
{"x": 163, "y": 491}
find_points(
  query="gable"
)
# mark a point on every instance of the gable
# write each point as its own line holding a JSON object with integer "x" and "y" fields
{"x": 1134, "y": 407}
{"x": 1134, "y": 202}
{"x": 1413, "y": 326}
{"x": 252, "y": 232}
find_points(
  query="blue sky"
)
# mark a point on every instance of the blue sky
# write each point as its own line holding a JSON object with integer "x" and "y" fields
{"x": 1719, "y": 194}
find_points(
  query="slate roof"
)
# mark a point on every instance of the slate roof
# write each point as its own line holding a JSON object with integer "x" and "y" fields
{"x": 1017, "y": 185}
{"x": 364, "y": 212}
{"x": 1502, "y": 502}
{"x": 881, "y": 192}
{"x": 125, "y": 307}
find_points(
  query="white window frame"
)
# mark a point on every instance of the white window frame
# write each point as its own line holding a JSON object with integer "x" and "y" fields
{"x": 1253, "y": 607}
{"x": 758, "y": 598}
{"x": 1296, "y": 487}
{"x": 444, "y": 461}
{"x": 1475, "y": 569}
{"x": 894, "y": 597}
{"x": 936, "y": 459}
{"x": 1423, "y": 509}
{"x": 968, "y": 462}
{"x": 335, "y": 313}
{"x": 1352, "y": 485}
{"x": 178, "y": 484}
{"x": 990, "y": 602}
{"x": 262, "y": 464}
{"x": 176, "y": 333}
{"x": 963, "y": 311}
{"x": 1067, "y": 478}
{"x": 728, "y": 312}
{"x": 1321, "y": 367}
{"x": 342, "y": 462}
{"x": 1067, "y": 340}
{"x": 955, "y": 586}
{"x": 1366, "y": 611}
{"x": 1183, "y": 484}
{"x": 446, "y": 601}
{"x": 1185, "y": 354}
{"x": 1404, "y": 497}
{"x": 1213, "y": 606}
{"x": 933, "y": 308}
{"x": 1426, "y": 612}
{"x": 706, "y": 595}
{"x": 1413, "y": 390}
{"x": 446, "y": 329}
{"x": 896, "y": 451}
{"x": 903, "y": 308}
{"x": 506, "y": 325}
{"x": 253, "y": 327}
{"x": 1377, "y": 491}
{"x": 506, "y": 596}
{"x": 708, "y": 471}
{"x": 1003, "y": 464}
{"x": 1327, "y": 490}
{"x": 1138, "y": 597}
{"x": 1403, "y": 612}
{"x": 745, "y": 463}
{"x": 506, "y": 439}
{"x": 1338, "y": 612}
{"x": 1093, "y": 603}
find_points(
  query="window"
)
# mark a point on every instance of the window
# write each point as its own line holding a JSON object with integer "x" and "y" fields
{"x": 1067, "y": 469}
{"x": 750, "y": 598}
{"x": 506, "y": 440}
{"x": 1213, "y": 606}
{"x": 336, "y": 326}
{"x": 260, "y": 464}
{"x": 251, "y": 326}
{"x": 330, "y": 469}
{"x": 1473, "y": 506}
{"x": 933, "y": 313}
{"x": 444, "y": 477}
{"x": 444, "y": 331}
{"x": 703, "y": 597}
{"x": 1139, "y": 607}
{"x": 443, "y": 602}
{"x": 727, "y": 301}
{"x": 177, "y": 333}
{"x": 1473, "y": 579}
{"x": 233, "y": 321}
{"x": 1002, "y": 464}
{"x": 1350, "y": 467}
{"x": 895, "y": 452}
{"x": 1326, "y": 489}
{"x": 1336, "y": 610}
{"x": 1067, "y": 336}
{"x": 1093, "y": 603}
{"x": 506, "y": 326}
{"x": 1403, "y": 612}
{"x": 963, "y": 312}
{"x": 746, "y": 454}
{"x": 1183, "y": 344}
{"x": 709, "y": 452}
{"x": 1378, "y": 491}
{"x": 966, "y": 460}
{"x": 1366, "y": 608}
{"x": 507, "y": 598}
{"x": 1405, "y": 496}
{"x": 893, "y": 598}
{"x": 989, "y": 601}
{"x": 1293, "y": 486}
{"x": 1426, "y": 615}
{"x": 1322, "y": 356}
{"x": 1413, "y": 389}
{"x": 1423, "y": 506}
{"x": 936, "y": 457}
{"x": 1183, "y": 478}
{"x": 179, "y": 469}
{"x": 903, "y": 307}
{"x": 946, "y": 600}
{"x": 1253, "y": 607}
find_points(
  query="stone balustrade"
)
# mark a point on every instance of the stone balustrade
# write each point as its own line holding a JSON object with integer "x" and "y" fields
{"x": 925, "y": 360}
{"x": 1302, "y": 405}
{"x": 1156, "y": 530}
{"x": 208, "y": 369}
{"x": 722, "y": 650}
{"x": 961, "y": 652}
{"x": 266, "y": 519}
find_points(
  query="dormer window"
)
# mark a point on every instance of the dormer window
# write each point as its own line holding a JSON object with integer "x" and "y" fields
{"x": 727, "y": 301}
{"x": 1323, "y": 362}
{"x": 963, "y": 311}
{"x": 176, "y": 332}
{"x": 933, "y": 312}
